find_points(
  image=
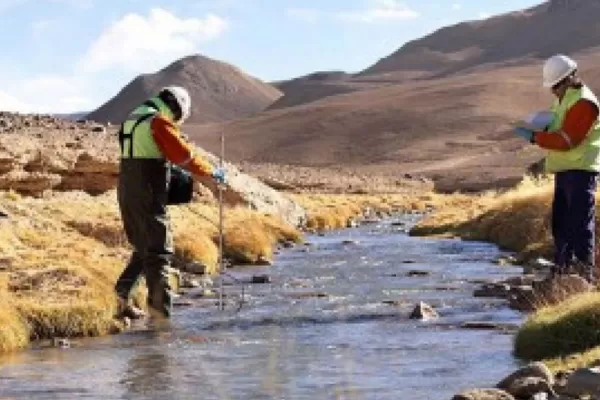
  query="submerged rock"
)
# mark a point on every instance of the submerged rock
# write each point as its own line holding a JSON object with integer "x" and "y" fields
{"x": 417, "y": 273}
{"x": 481, "y": 325}
{"x": 424, "y": 312}
{"x": 494, "y": 290}
{"x": 260, "y": 279}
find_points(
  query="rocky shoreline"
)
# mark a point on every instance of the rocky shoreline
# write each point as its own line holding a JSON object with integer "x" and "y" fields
{"x": 528, "y": 293}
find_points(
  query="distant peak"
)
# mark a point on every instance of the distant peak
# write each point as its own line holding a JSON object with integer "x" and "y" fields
{"x": 569, "y": 5}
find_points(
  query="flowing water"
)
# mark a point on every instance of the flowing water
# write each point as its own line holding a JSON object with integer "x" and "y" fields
{"x": 332, "y": 324}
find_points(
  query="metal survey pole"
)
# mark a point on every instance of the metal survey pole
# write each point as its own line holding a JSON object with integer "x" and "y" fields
{"x": 221, "y": 233}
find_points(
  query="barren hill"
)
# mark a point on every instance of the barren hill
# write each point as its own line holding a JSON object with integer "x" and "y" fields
{"x": 219, "y": 91}
{"x": 514, "y": 38}
{"x": 567, "y": 26}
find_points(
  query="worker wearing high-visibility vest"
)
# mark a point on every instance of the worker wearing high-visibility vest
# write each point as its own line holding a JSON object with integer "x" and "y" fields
{"x": 151, "y": 143}
{"x": 572, "y": 142}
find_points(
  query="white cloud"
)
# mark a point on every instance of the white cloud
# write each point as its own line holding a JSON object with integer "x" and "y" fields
{"x": 483, "y": 15}
{"x": 47, "y": 94}
{"x": 9, "y": 102}
{"x": 456, "y": 6}
{"x": 140, "y": 43}
{"x": 379, "y": 11}
{"x": 303, "y": 14}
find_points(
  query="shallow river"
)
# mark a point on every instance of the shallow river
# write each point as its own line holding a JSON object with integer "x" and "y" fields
{"x": 323, "y": 328}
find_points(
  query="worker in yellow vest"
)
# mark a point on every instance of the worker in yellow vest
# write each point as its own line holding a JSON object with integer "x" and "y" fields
{"x": 572, "y": 142}
{"x": 150, "y": 177}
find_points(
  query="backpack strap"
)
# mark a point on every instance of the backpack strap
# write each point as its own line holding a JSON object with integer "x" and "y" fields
{"x": 123, "y": 135}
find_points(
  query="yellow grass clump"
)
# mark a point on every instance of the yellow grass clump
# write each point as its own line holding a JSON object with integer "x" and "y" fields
{"x": 335, "y": 211}
{"x": 62, "y": 255}
{"x": 518, "y": 219}
{"x": 560, "y": 331}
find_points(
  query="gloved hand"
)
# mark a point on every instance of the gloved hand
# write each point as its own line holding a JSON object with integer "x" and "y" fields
{"x": 218, "y": 175}
{"x": 526, "y": 134}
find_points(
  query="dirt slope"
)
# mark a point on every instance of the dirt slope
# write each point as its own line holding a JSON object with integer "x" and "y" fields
{"x": 219, "y": 91}
{"x": 454, "y": 130}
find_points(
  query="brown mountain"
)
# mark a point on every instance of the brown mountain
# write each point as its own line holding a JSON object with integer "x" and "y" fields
{"x": 449, "y": 121}
{"x": 514, "y": 38}
{"x": 219, "y": 91}
{"x": 567, "y": 26}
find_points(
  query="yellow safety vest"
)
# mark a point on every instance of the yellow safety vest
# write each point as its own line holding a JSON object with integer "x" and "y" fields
{"x": 135, "y": 136}
{"x": 585, "y": 156}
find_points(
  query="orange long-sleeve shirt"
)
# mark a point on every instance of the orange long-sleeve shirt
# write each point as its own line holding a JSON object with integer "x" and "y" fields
{"x": 577, "y": 124}
{"x": 168, "y": 139}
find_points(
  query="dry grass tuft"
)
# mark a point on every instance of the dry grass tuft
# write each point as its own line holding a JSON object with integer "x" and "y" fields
{"x": 335, "y": 211}
{"x": 518, "y": 219}
{"x": 561, "y": 330}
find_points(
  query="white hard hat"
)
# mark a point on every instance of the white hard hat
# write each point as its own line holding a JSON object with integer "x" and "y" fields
{"x": 558, "y": 68}
{"x": 183, "y": 99}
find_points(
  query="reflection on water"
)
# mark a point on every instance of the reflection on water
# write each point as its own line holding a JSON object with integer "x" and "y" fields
{"x": 332, "y": 325}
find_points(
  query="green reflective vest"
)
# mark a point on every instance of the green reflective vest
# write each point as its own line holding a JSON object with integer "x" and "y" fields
{"x": 136, "y": 132}
{"x": 584, "y": 157}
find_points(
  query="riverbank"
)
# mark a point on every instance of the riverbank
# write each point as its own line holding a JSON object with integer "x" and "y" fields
{"x": 62, "y": 254}
{"x": 565, "y": 335}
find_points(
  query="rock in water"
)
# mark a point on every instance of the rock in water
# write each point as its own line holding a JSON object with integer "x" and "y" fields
{"x": 424, "y": 312}
{"x": 534, "y": 370}
{"x": 260, "y": 279}
{"x": 484, "y": 394}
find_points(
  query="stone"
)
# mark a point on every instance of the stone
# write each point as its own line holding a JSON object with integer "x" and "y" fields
{"x": 507, "y": 260}
{"x": 352, "y": 223}
{"x": 62, "y": 343}
{"x": 288, "y": 244}
{"x": 424, "y": 312}
{"x": 495, "y": 290}
{"x": 541, "y": 264}
{"x": 533, "y": 370}
{"x": 480, "y": 325}
{"x": 523, "y": 280}
{"x": 194, "y": 267}
{"x": 189, "y": 283}
{"x": 547, "y": 292}
{"x": 260, "y": 279}
{"x": 484, "y": 394}
{"x": 583, "y": 382}
{"x": 417, "y": 273}
{"x": 263, "y": 261}
{"x": 183, "y": 303}
{"x": 349, "y": 242}
{"x": 525, "y": 388}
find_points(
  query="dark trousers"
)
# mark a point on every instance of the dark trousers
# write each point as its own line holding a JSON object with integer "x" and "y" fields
{"x": 573, "y": 221}
{"x": 142, "y": 195}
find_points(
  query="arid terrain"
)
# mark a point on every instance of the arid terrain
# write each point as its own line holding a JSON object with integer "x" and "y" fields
{"x": 440, "y": 107}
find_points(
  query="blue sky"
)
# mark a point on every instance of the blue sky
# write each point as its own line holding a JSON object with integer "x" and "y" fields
{"x": 72, "y": 55}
